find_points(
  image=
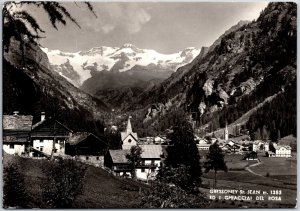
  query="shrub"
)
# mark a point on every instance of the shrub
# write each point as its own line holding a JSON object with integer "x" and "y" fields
{"x": 64, "y": 183}
{"x": 14, "y": 191}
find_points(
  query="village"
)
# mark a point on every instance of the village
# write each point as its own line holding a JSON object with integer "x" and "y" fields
{"x": 49, "y": 138}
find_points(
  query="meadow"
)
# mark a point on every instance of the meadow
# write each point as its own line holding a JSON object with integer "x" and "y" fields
{"x": 276, "y": 174}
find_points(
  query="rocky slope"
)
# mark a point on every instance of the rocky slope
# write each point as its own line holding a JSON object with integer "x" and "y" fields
{"x": 31, "y": 86}
{"x": 248, "y": 63}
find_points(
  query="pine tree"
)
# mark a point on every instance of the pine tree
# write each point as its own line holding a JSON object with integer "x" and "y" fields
{"x": 183, "y": 151}
{"x": 23, "y": 27}
{"x": 215, "y": 161}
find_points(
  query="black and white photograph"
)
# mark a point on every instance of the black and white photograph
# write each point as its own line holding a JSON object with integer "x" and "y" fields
{"x": 145, "y": 105}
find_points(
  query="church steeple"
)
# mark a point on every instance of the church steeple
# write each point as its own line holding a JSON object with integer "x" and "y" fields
{"x": 226, "y": 132}
{"x": 129, "y": 128}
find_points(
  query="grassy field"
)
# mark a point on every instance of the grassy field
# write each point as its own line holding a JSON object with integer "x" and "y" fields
{"x": 282, "y": 176}
{"x": 276, "y": 166}
{"x": 101, "y": 190}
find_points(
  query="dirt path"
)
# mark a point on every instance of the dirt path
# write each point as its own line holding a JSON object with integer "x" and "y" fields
{"x": 255, "y": 164}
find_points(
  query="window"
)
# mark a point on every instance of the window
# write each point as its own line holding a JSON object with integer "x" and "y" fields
{"x": 129, "y": 140}
{"x": 41, "y": 149}
{"x": 152, "y": 162}
{"x": 143, "y": 170}
{"x": 87, "y": 158}
{"x": 11, "y": 146}
{"x": 41, "y": 141}
{"x": 97, "y": 158}
{"x": 56, "y": 141}
{"x": 55, "y": 150}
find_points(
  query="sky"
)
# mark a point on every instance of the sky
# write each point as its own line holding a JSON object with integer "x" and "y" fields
{"x": 166, "y": 27}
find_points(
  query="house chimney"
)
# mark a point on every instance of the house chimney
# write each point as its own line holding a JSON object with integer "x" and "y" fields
{"x": 16, "y": 113}
{"x": 43, "y": 116}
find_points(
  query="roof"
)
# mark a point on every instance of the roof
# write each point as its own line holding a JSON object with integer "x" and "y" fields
{"x": 45, "y": 120}
{"x": 125, "y": 135}
{"x": 14, "y": 139}
{"x": 151, "y": 151}
{"x": 119, "y": 155}
{"x": 282, "y": 146}
{"x": 203, "y": 145}
{"x": 75, "y": 138}
{"x": 17, "y": 122}
{"x": 78, "y": 137}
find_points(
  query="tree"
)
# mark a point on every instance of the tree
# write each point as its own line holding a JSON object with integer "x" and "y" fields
{"x": 64, "y": 183}
{"x": 183, "y": 151}
{"x": 114, "y": 138}
{"x": 22, "y": 25}
{"x": 162, "y": 195}
{"x": 215, "y": 161}
{"x": 14, "y": 191}
{"x": 134, "y": 159}
{"x": 264, "y": 135}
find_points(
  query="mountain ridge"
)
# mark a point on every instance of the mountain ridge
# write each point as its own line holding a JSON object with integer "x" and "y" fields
{"x": 77, "y": 67}
{"x": 243, "y": 67}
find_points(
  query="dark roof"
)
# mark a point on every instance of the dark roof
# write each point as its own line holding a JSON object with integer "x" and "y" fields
{"x": 17, "y": 122}
{"x": 46, "y": 120}
{"x": 119, "y": 156}
{"x": 14, "y": 139}
{"x": 78, "y": 137}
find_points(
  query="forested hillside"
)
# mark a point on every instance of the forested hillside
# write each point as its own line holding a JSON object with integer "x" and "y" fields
{"x": 247, "y": 64}
{"x": 30, "y": 87}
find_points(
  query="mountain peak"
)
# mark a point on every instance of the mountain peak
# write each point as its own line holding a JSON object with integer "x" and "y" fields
{"x": 128, "y": 45}
{"x": 118, "y": 59}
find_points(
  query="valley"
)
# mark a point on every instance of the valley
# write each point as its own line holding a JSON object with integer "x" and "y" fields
{"x": 145, "y": 129}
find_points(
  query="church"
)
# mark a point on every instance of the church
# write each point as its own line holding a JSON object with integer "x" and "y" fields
{"x": 128, "y": 137}
{"x": 151, "y": 157}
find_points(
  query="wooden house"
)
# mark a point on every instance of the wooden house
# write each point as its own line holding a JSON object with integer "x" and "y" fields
{"x": 16, "y": 133}
{"x": 87, "y": 148}
{"x": 116, "y": 160}
{"x": 151, "y": 162}
{"x": 48, "y": 136}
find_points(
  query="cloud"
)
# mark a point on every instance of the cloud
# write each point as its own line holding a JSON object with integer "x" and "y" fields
{"x": 107, "y": 28}
{"x": 136, "y": 19}
{"x": 129, "y": 18}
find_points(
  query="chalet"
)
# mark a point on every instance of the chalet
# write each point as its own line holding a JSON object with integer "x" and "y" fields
{"x": 203, "y": 145}
{"x": 16, "y": 133}
{"x": 86, "y": 147}
{"x": 153, "y": 140}
{"x": 128, "y": 137}
{"x": 160, "y": 139}
{"x": 282, "y": 151}
{"x": 256, "y": 145}
{"x": 48, "y": 137}
{"x": 117, "y": 161}
{"x": 151, "y": 162}
{"x": 266, "y": 146}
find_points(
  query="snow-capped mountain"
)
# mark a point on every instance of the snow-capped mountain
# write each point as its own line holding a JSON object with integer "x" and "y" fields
{"x": 78, "y": 67}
